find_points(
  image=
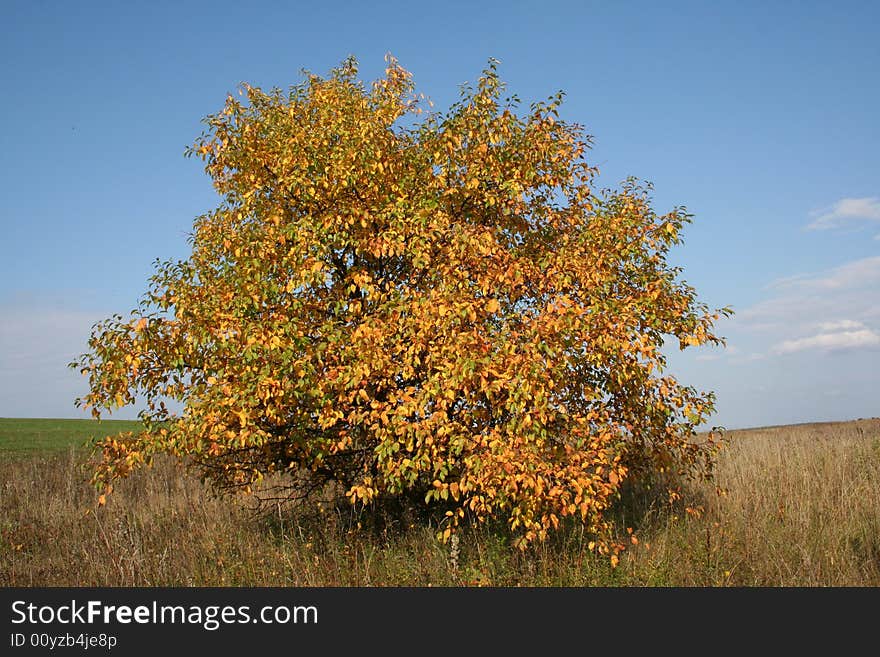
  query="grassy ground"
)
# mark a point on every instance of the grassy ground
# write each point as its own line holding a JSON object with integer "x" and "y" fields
{"x": 800, "y": 509}
{"x": 39, "y": 436}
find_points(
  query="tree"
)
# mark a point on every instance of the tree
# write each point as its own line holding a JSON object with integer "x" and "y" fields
{"x": 414, "y": 304}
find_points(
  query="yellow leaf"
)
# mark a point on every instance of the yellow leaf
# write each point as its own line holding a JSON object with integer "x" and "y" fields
{"x": 492, "y": 306}
{"x": 141, "y": 324}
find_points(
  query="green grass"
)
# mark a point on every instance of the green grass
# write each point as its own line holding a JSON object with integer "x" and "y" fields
{"x": 46, "y": 436}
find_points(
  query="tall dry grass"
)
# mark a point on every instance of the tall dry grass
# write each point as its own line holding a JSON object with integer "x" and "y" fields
{"x": 802, "y": 508}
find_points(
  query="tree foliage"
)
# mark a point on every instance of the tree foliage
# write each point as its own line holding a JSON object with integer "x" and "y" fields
{"x": 407, "y": 302}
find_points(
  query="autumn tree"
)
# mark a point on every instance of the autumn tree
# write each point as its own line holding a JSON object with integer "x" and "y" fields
{"x": 412, "y": 303}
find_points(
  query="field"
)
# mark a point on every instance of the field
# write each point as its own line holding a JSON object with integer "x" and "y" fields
{"x": 41, "y": 437}
{"x": 800, "y": 507}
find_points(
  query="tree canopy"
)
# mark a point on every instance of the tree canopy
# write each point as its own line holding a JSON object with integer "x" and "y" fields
{"x": 412, "y": 303}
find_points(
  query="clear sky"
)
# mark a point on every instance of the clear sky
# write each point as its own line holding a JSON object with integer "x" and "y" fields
{"x": 760, "y": 117}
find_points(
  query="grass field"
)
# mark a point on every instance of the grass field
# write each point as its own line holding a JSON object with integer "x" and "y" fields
{"x": 39, "y": 436}
{"x": 801, "y": 508}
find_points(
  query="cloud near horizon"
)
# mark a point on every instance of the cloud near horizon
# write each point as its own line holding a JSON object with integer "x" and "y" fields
{"x": 854, "y": 335}
{"x": 840, "y": 325}
{"x": 851, "y": 274}
{"x": 837, "y": 299}
{"x": 833, "y": 310}
{"x": 845, "y": 211}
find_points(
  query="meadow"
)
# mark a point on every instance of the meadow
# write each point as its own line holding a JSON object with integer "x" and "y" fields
{"x": 800, "y": 506}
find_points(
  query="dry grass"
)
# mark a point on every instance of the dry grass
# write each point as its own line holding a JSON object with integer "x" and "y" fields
{"x": 802, "y": 508}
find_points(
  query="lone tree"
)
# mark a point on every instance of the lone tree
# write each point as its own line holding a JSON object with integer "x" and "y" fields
{"x": 409, "y": 303}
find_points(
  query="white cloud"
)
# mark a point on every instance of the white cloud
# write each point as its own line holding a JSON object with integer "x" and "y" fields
{"x": 850, "y": 274}
{"x": 831, "y": 341}
{"x": 786, "y": 281}
{"x": 840, "y": 325}
{"x": 837, "y": 309}
{"x": 845, "y": 211}
{"x": 808, "y": 334}
{"x": 805, "y": 301}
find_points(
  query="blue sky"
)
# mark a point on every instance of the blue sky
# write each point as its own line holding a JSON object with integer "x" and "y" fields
{"x": 760, "y": 118}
